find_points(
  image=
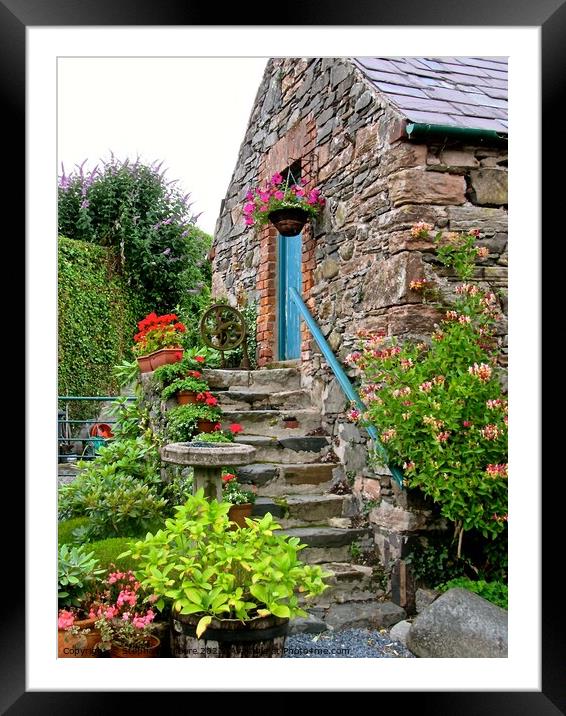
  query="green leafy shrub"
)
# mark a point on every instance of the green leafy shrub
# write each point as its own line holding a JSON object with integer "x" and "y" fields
{"x": 252, "y": 571}
{"x": 78, "y": 570}
{"x": 190, "y": 384}
{"x": 131, "y": 207}
{"x": 495, "y": 592}
{"x": 435, "y": 561}
{"x": 218, "y": 436}
{"x": 66, "y": 529}
{"x": 182, "y": 420}
{"x": 193, "y": 359}
{"x": 118, "y": 491}
{"x": 108, "y": 551}
{"x": 96, "y": 319}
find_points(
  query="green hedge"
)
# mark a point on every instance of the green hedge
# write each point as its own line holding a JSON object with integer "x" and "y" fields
{"x": 97, "y": 318}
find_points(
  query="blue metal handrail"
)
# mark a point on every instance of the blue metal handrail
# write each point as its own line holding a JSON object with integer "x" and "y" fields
{"x": 343, "y": 380}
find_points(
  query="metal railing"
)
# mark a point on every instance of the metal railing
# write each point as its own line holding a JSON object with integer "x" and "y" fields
{"x": 66, "y": 441}
{"x": 344, "y": 381}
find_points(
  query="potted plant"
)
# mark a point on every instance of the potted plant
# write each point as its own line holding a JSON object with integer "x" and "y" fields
{"x": 287, "y": 205}
{"x": 184, "y": 420}
{"x": 77, "y": 586}
{"x": 124, "y": 624}
{"x": 218, "y": 436}
{"x": 232, "y": 591}
{"x": 158, "y": 341}
{"x": 241, "y": 501}
{"x": 192, "y": 389}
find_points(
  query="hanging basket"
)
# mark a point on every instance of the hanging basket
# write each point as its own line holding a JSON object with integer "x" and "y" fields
{"x": 289, "y": 222}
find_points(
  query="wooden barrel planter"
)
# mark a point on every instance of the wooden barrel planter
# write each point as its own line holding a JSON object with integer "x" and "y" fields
{"x": 260, "y": 637}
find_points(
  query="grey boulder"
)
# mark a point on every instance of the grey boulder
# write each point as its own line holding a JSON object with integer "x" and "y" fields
{"x": 459, "y": 624}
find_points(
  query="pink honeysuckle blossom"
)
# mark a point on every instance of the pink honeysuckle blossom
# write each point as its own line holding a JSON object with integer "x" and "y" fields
{"x": 420, "y": 230}
{"x": 353, "y": 414}
{"x": 497, "y": 470}
{"x": 426, "y": 387}
{"x": 490, "y": 432}
{"x": 388, "y": 435}
{"x": 482, "y": 371}
{"x": 443, "y": 436}
{"x": 483, "y": 252}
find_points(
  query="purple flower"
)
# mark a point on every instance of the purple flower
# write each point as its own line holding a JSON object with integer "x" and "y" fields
{"x": 166, "y": 252}
{"x": 85, "y": 203}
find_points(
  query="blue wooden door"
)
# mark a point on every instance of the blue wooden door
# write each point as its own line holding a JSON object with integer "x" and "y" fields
{"x": 289, "y": 273}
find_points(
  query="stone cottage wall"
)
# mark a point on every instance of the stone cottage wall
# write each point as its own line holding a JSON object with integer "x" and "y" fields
{"x": 358, "y": 258}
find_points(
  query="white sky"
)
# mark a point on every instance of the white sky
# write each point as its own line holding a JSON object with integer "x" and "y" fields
{"x": 189, "y": 112}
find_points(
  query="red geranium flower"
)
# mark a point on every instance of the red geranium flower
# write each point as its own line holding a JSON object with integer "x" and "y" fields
{"x": 228, "y": 477}
{"x": 235, "y": 428}
{"x": 199, "y": 359}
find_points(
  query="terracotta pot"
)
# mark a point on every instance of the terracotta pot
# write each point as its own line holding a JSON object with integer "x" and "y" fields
{"x": 290, "y": 423}
{"x": 228, "y": 638}
{"x": 144, "y": 652}
{"x": 164, "y": 356}
{"x": 144, "y": 363}
{"x": 238, "y": 513}
{"x": 289, "y": 222}
{"x": 206, "y": 426}
{"x": 79, "y": 646}
{"x": 186, "y": 396}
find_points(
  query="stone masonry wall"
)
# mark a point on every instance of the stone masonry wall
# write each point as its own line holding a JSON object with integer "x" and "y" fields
{"x": 358, "y": 257}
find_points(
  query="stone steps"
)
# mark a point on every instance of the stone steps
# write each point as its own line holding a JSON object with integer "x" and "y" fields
{"x": 274, "y": 423}
{"x": 300, "y": 449}
{"x": 247, "y": 399}
{"x": 266, "y": 381}
{"x": 349, "y": 582}
{"x": 327, "y": 544}
{"x": 282, "y": 479}
{"x": 300, "y": 510}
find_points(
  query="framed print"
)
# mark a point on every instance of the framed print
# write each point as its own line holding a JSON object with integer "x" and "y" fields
{"x": 36, "y": 42}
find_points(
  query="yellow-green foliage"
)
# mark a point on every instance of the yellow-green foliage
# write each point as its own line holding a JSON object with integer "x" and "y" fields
{"x": 97, "y": 318}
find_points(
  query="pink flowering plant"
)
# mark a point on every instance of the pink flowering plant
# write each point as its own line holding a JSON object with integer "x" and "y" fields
{"x": 278, "y": 193}
{"x": 121, "y": 615}
{"x": 440, "y": 409}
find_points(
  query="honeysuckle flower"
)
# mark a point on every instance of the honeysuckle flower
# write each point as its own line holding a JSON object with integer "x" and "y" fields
{"x": 483, "y": 252}
{"x": 353, "y": 414}
{"x": 490, "y": 432}
{"x": 443, "y": 436}
{"x": 426, "y": 387}
{"x": 388, "y": 435}
{"x": 420, "y": 230}
{"x": 482, "y": 371}
{"x": 497, "y": 470}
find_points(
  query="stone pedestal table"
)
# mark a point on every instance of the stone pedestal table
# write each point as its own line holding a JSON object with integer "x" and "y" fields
{"x": 207, "y": 462}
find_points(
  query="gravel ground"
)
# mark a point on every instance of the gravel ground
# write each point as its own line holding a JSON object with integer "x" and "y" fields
{"x": 345, "y": 644}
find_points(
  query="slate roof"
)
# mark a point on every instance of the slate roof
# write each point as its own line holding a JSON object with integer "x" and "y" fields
{"x": 468, "y": 92}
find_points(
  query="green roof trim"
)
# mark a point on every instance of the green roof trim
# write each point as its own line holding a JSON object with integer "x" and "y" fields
{"x": 416, "y": 130}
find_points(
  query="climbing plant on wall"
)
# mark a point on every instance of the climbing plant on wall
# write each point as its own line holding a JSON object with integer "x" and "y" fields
{"x": 97, "y": 318}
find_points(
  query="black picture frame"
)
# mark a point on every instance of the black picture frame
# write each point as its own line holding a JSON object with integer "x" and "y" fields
{"x": 550, "y": 16}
